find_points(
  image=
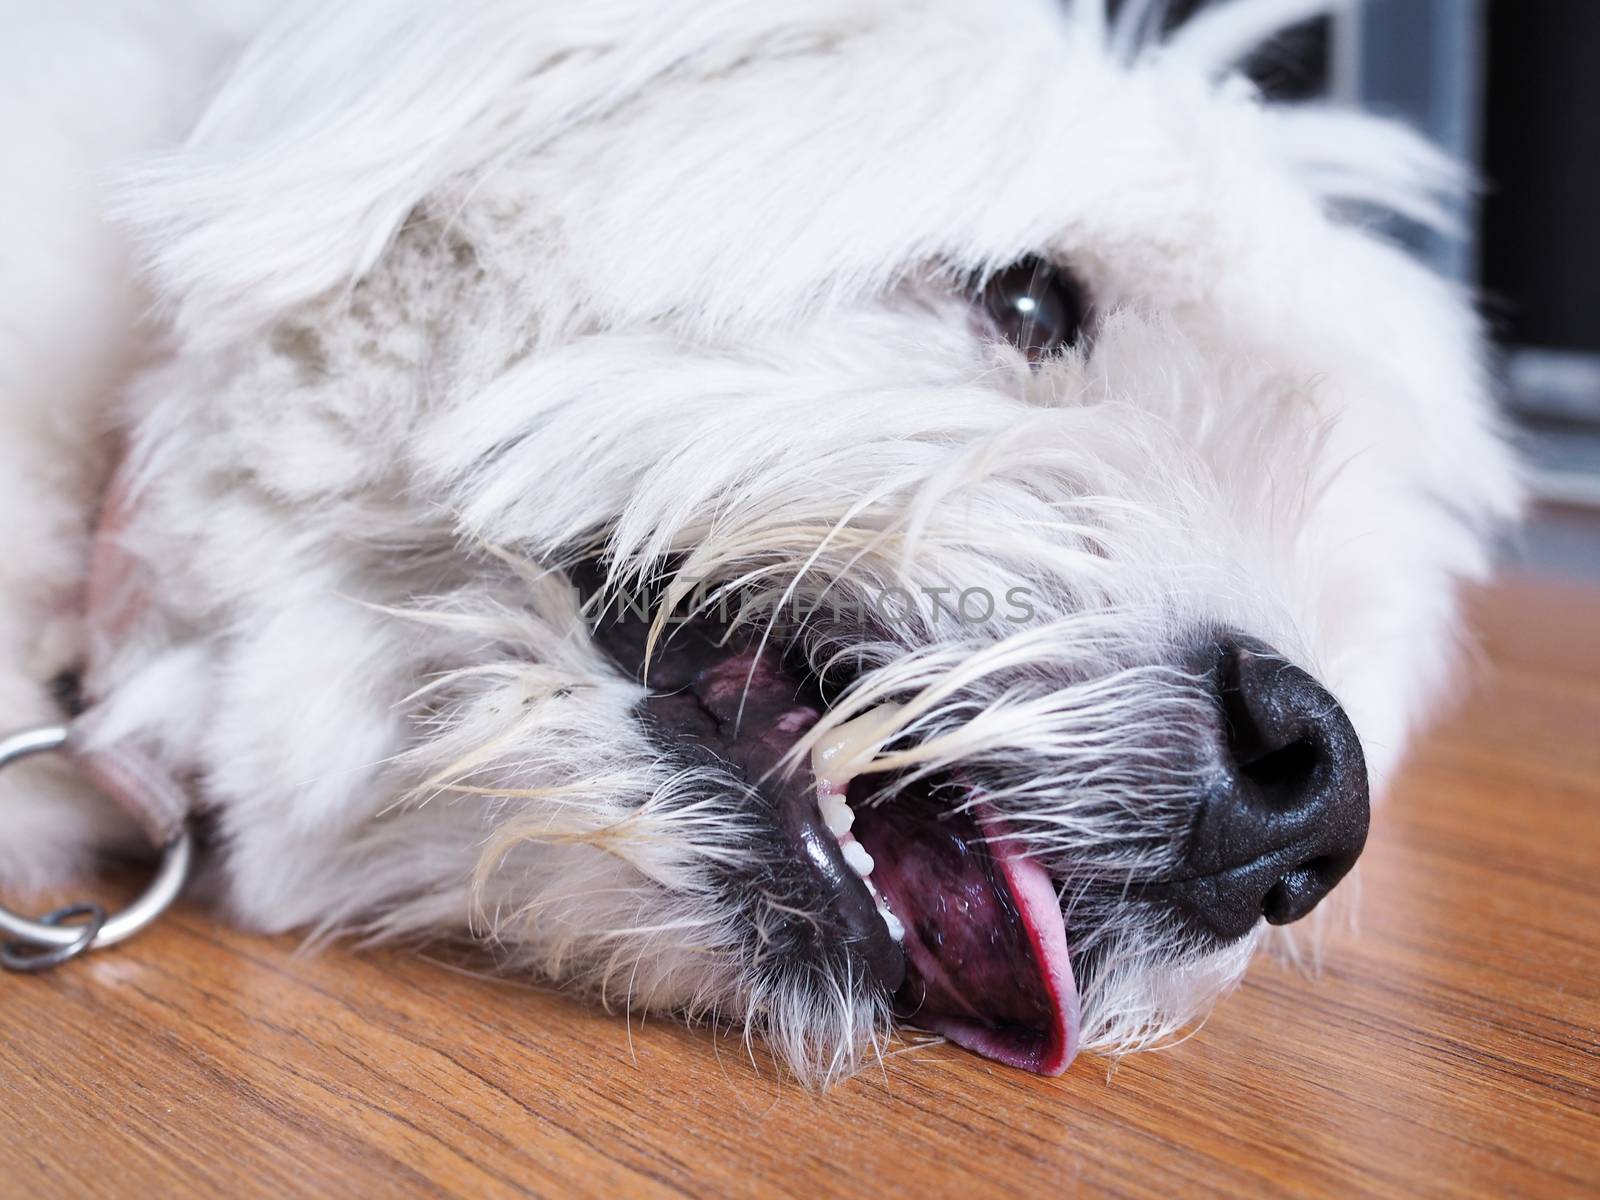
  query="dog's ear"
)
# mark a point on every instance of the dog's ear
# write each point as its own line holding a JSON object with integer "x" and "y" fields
{"x": 340, "y": 118}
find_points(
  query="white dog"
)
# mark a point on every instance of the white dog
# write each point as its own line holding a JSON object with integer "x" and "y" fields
{"x": 798, "y": 514}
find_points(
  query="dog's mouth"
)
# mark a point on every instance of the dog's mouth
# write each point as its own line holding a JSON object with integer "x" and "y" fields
{"x": 985, "y": 946}
{"x": 923, "y": 882}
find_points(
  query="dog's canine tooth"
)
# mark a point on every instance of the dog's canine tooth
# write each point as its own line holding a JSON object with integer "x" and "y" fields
{"x": 840, "y": 757}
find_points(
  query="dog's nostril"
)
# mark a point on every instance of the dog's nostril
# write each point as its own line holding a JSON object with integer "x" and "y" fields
{"x": 1300, "y": 889}
{"x": 1284, "y": 770}
{"x": 1286, "y": 815}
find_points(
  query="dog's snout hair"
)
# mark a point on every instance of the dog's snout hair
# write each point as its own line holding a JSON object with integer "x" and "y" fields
{"x": 576, "y": 425}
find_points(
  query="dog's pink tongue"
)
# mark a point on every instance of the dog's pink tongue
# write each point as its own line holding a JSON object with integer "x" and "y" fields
{"x": 986, "y": 950}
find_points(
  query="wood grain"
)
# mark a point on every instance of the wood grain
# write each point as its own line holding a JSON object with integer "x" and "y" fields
{"x": 1452, "y": 1047}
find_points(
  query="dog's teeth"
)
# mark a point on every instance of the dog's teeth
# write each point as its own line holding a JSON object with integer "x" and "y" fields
{"x": 836, "y": 813}
{"x": 896, "y": 930}
{"x": 840, "y": 756}
{"x": 834, "y": 762}
{"x": 856, "y": 855}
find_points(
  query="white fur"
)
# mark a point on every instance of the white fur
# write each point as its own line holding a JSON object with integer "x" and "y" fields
{"x": 455, "y": 292}
{"x": 85, "y": 87}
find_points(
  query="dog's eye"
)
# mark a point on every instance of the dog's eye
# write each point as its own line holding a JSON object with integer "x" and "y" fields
{"x": 1036, "y": 307}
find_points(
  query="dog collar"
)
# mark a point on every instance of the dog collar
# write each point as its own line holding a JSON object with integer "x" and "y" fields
{"x": 120, "y": 768}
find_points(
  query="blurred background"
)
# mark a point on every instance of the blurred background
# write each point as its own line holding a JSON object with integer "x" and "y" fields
{"x": 1511, "y": 87}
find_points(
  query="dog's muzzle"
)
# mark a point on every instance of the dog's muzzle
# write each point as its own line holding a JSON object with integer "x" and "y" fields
{"x": 933, "y": 890}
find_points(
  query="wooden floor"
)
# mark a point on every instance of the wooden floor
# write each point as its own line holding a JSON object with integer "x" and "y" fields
{"x": 1451, "y": 1048}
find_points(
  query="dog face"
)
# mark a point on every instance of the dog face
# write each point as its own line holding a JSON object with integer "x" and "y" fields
{"x": 862, "y": 509}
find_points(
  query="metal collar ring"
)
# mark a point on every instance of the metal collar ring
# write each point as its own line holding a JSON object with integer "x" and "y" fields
{"x": 48, "y": 941}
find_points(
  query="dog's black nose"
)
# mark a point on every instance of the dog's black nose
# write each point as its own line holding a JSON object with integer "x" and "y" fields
{"x": 1286, "y": 815}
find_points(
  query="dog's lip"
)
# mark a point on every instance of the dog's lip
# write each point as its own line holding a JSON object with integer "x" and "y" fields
{"x": 747, "y": 691}
{"x": 854, "y": 905}
{"x": 737, "y": 702}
